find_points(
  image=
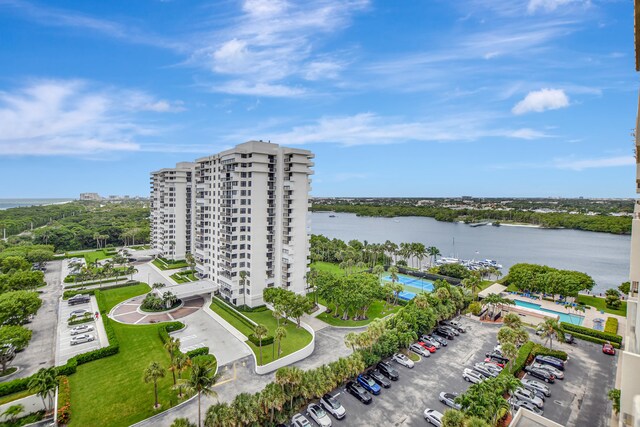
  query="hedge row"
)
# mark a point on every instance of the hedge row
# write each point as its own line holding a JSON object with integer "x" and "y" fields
{"x": 265, "y": 341}
{"x": 611, "y": 327}
{"x": 591, "y": 332}
{"x": 233, "y": 312}
{"x": 594, "y": 339}
{"x": 81, "y": 320}
{"x": 69, "y": 294}
{"x": 93, "y": 282}
{"x": 64, "y": 400}
{"x": 202, "y": 351}
{"x": 166, "y": 328}
{"x": 522, "y": 358}
{"x": 540, "y": 350}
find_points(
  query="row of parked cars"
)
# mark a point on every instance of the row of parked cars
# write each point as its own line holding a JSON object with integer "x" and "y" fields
{"x": 371, "y": 382}
{"x": 80, "y": 334}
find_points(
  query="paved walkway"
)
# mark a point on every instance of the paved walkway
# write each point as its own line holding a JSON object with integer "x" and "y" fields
{"x": 129, "y": 312}
{"x": 31, "y": 404}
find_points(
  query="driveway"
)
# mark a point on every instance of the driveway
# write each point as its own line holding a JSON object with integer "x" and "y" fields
{"x": 41, "y": 350}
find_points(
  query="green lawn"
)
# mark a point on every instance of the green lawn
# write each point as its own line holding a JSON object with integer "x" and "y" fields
{"x": 184, "y": 276}
{"x": 599, "y": 304}
{"x": 296, "y": 338}
{"x": 375, "y": 311}
{"x": 327, "y": 266}
{"x": 110, "y": 391}
{"x": 94, "y": 256}
{"x": 164, "y": 264}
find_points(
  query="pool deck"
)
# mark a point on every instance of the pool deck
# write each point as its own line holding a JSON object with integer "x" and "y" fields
{"x": 590, "y": 314}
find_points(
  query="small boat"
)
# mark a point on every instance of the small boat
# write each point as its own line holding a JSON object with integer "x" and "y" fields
{"x": 332, "y": 216}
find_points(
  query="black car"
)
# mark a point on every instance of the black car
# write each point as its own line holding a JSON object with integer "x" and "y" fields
{"x": 388, "y": 371}
{"x": 78, "y": 299}
{"x": 551, "y": 361}
{"x": 441, "y": 340}
{"x": 540, "y": 374}
{"x": 445, "y": 333}
{"x": 359, "y": 392}
{"x": 569, "y": 339}
{"x": 450, "y": 327}
{"x": 496, "y": 357}
{"x": 377, "y": 376}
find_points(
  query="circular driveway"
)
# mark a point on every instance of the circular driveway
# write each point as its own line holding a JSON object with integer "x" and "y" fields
{"x": 129, "y": 312}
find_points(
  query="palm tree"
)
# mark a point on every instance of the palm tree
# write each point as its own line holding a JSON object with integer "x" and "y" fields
{"x": 245, "y": 407}
{"x": 13, "y": 411}
{"x": 219, "y": 415}
{"x": 312, "y": 275}
{"x": 182, "y": 422}
{"x": 472, "y": 282}
{"x": 378, "y": 270}
{"x": 281, "y": 332}
{"x": 260, "y": 332}
{"x": 181, "y": 363}
{"x": 433, "y": 253}
{"x": 243, "y": 281}
{"x": 131, "y": 270}
{"x": 153, "y": 373}
{"x": 44, "y": 384}
{"x": 512, "y": 320}
{"x": 453, "y": 418}
{"x": 275, "y": 398}
{"x": 201, "y": 381}
{"x": 551, "y": 329}
{"x": 173, "y": 347}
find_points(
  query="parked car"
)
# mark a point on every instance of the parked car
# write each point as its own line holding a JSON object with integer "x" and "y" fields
{"x": 540, "y": 374}
{"x": 451, "y": 329}
{"x": 8, "y": 352}
{"x": 300, "y": 420}
{"x": 79, "y": 339}
{"x": 553, "y": 371}
{"x": 536, "y": 385}
{"x": 607, "y": 348}
{"x": 79, "y": 313}
{"x": 428, "y": 346}
{"x": 418, "y": 349}
{"x": 441, "y": 340}
{"x": 433, "y": 417}
{"x": 497, "y": 357}
{"x": 444, "y": 333}
{"x": 517, "y": 404}
{"x": 455, "y": 325}
{"x": 494, "y": 369}
{"x": 317, "y": 414}
{"x": 552, "y": 361}
{"x": 449, "y": 399}
{"x": 333, "y": 406}
{"x": 489, "y": 360}
{"x": 429, "y": 340}
{"x": 388, "y": 371}
{"x": 369, "y": 384}
{"x": 78, "y": 299}
{"x": 403, "y": 360}
{"x": 377, "y": 376}
{"x": 472, "y": 376}
{"x": 568, "y": 338}
{"x": 81, "y": 329}
{"x": 528, "y": 396}
{"x": 359, "y": 392}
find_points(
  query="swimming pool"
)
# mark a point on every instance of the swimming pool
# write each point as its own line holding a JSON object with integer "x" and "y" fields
{"x": 564, "y": 317}
{"x": 412, "y": 286}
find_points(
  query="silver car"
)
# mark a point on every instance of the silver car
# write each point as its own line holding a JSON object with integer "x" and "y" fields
{"x": 553, "y": 371}
{"x": 300, "y": 420}
{"x": 472, "y": 376}
{"x": 318, "y": 415}
{"x": 418, "y": 349}
{"x": 517, "y": 404}
{"x": 534, "y": 385}
{"x": 449, "y": 399}
{"x": 403, "y": 360}
{"x": 433, "y": 417}
{"x": 522, "y": 393}
{"x": 81, "y": 329}
{"x": 79, "y": 339}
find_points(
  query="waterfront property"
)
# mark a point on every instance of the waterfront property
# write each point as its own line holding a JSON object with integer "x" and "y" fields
{"x": 412, "y": 286}
{"x": 564, "y": 317}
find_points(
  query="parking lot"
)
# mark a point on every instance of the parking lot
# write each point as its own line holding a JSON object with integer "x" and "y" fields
{"x": 578, "y": 400}
{"x": 65, "y": 350}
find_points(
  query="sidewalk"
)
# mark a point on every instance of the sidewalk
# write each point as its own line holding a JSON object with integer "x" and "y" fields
{"x": 31, "y": 404}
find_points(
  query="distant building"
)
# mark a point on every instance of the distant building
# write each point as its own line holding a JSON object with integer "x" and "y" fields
{"x": 90, "y": 196}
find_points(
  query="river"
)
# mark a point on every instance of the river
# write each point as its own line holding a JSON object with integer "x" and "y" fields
{"x": 605, "y": 257}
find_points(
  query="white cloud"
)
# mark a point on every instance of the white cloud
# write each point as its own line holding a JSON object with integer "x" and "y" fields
{"x": 604, "y": 162}
{"x": 371, "y": 129}
{"x": 542, "y": 100}
{"x": 551, "y": 5}
{"x": 70, "y": 117}
{"x": 318, "y": 70}
{"x": 240, "y": 87}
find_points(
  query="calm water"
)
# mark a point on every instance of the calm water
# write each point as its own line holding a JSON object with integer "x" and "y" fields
{"x": 15, "y": 203}
{"x": 564, "y": 317}
{"x": 605, "y": 257}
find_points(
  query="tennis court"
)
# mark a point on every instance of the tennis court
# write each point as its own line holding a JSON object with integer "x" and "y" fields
{"x": 412, "y": 286}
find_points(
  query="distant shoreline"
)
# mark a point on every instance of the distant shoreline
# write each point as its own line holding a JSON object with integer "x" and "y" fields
{"x": 27, "y": 203}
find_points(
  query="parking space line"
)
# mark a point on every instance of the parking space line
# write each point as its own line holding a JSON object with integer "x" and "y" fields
{"x": 140, "y": 320}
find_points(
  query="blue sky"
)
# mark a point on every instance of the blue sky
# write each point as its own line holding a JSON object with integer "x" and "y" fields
{"x": 428, "y": 98}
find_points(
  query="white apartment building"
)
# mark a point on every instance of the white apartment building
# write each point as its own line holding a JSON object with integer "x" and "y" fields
{"x": 172, "y": 213}
{"x": 251, "y": 216}
{"x": 630, "y": 357}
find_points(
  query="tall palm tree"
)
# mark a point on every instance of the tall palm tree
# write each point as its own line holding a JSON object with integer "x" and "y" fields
{"x": 551, "y": 329}
{"x": 276, "y": 398}
{"x": 433, "y": 253}
{"x": 281, "y": 333}
{"x": 510, "y": 351}
{"x": 260, "y": 331}
{"x": 153, "y": 373}
{"x": 472, "y": 282}
{"x": 180, "y": 364}
{"x": 219, "y": 415}
{"x": 512, "y": 320}
{"x": 243, "y": 281}
{"x": 201, "y": 381}
{"x": 378, "y": 270}
{"x": 245, "y": 407}
{"x": 350, "y": 340}
{"x": 312, "y": 275}
{"x": 173, "y": 347}
{"x": 44, "y": 384}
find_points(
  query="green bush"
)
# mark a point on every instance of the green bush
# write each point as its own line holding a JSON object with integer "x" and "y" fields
{"x": 265, "y": 341}
{"x": 14, "y": 386}
{"x": 475, "y": 308}
{"x": 68, "y": 294}
{"x": 594, "y": 339}
{"x": 540, "y": 350}
{"x": 226, "y": 307}
{"x": 64, "y": 400}
{"x": 522, "y": 358}
{"x": 611, "y": 327}
{"x": 202, "y": 351}
{"x": 166, "y": 328}
{"x": 591, "y": 332}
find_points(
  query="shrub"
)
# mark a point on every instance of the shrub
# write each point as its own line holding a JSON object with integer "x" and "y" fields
{"x": 594, "y": 339}
{"x": 166, "y": 328}
{"x": 69, "y": 294}
{"x": 522, "y": 358}
{"x": 540, "y": 350}
{"x": 611, "y": 327}
{"x": 475, "y": 308}
{"x": 14, "y": 386}
{"x": 604, "y": 336}
{"x": 265, "y": 341}
{"x": 202, "y": 351}
{"x": 64, "y": 400}
{"x": 226, "y": 307}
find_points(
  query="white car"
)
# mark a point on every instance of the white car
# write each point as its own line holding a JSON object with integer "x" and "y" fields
{"x": 300, "y": 420}
{"x": 472, "y": 376}
{"x": 79, "y": 339}
{"x": 488, "y": 369}
{"x": 81, "y": 329}
{"x": 528, "y": 396}
{"x": 318, "y": 415}
{"x": 333, "y": 406}
{"x": 403, "y": 360}
{"x": 418, "y": 349}
{"x": 433, "y": 417}
{"x": 553, "y": 371}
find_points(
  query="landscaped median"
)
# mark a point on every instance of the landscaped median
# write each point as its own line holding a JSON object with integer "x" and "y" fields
{"x": 592, "y": 335}
{"x": 184, "y": 276}
{"x": 245, "y": 321}
{"x": 168, "y": 264}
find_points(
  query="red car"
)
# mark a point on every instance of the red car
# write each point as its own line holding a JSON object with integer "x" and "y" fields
{"x": 431, "y": 348}
{"x": 490, "y": 360}
{"x": 607, "y": 348}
